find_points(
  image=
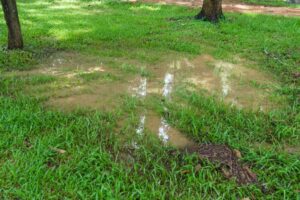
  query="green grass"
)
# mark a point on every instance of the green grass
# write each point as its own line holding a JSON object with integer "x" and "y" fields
{"x": 99, "y": 163}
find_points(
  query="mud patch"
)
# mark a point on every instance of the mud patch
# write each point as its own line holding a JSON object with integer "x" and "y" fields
{"x": 228, "y": 159}
{"x": 68, "y": 64}
{"x": 104, "y": 97}
{"x": 159, "y": 127}
{"x": 235, "y": 84}
{"x": 150, "y": 122}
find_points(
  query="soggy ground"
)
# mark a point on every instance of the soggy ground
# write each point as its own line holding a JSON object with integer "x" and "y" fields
{"x": 87, "y": 82}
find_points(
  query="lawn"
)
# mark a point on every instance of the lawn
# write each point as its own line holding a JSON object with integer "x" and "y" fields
{"x": 87, "y": 153}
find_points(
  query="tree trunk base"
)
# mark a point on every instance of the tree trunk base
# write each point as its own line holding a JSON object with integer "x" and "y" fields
{"x": 15, "y": 40}
{"x": 215, "y": 18}
{"x": 211, "y": 11}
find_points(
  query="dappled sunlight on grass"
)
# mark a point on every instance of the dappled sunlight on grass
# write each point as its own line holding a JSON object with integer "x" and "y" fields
{"x": 145, "y": 7}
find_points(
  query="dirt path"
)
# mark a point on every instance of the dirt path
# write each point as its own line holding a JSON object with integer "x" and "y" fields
{"x": 236, "y": 6}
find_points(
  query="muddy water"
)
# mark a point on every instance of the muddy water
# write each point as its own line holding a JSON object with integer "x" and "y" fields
{"x": 153, "y": 123}
{"x": 231, "y": 82}
{"x": 168, "y": 134}
{"x": 103, "y": 97}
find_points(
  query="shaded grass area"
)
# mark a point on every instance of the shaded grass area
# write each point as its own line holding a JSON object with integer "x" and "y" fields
{"x": 96, "y": 163}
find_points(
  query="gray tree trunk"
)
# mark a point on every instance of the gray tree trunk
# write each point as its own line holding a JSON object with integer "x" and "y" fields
{"x": 15, "y": 40}
{"x": 211, "y": 11}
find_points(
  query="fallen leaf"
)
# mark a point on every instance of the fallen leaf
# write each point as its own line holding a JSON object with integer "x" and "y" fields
{"x": 296, "y": 75}
{"x": 250, "y": 173}
{"x": 247, "y": 198}
{"x": 27, "y": 143}
{"x": 237, "y": 153}
{"x": 226, "y": 172}
{"x": 185, "y": 171}
{"x": 197, "y": 168}
{"x": 61, "y": 151}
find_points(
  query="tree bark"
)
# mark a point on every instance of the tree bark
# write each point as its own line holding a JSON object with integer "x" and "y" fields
{"x": 15, "y": 40}
{"x": 211, "y": 11}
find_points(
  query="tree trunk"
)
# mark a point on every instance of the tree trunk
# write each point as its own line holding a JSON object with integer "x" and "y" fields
{"x": 211, "y": 11}
{"x": 15, "y": 40}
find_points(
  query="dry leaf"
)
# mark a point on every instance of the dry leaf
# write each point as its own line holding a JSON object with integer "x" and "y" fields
{"x": 247, "y": 198}
{"x": 197, "y": 168}
{"x": 185, "y": 171}
{"x": 61, "y": 151}
{"x": 237, "y": 153}
{"x": 250, "y": 173}
{"x": 226, "y": 172}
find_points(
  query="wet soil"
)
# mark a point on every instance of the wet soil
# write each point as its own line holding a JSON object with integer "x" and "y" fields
{"x": 235, "y": 84}
{"x": 104, "y": 98}
{"x": 157, "y": 126}
{"x": 230, "y": 82}
{"x": 70, "y": 64}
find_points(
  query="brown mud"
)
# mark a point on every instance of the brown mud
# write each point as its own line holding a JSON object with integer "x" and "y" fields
{"x": 232, "y": 83}
{"x": 235, "y": 84}
{"x": 105, "y": 97}
{"x": 153, "y": 123}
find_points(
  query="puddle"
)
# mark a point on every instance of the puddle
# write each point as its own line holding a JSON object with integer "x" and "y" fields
{"x": 69, "y": 65}
{"x": 224, "y": 70}
{"x": 233, "y": 83}
{"x": 139, "y": 87}
{"x": 168, "y": 83}
{"x": 169, "y": 135}
{"x": 103, "y": 97}
{"x": 155, "y": 124}
{"x": 163, "y": 130}
{"x": 141, "y": 127}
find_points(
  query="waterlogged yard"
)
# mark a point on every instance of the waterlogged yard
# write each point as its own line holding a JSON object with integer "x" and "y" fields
{"x": 119, "y": 100}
